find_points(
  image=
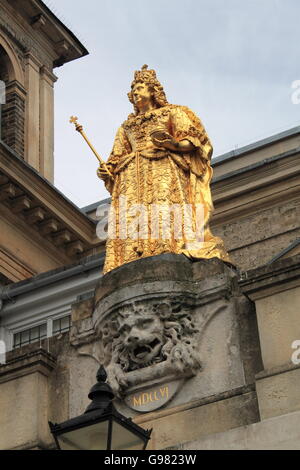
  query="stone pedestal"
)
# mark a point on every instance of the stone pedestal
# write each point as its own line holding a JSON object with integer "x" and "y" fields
{"x": 179, "y": 342}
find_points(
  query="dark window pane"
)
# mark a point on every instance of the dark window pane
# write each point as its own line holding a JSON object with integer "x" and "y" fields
{"x": 29, "y": 336}
{"x": 61, "y": 325}
{"x": 34, "y": 334}
{"x": 43, "y": 331}
{"x": 25, "y": 337}
{"x": 17, "y": 340}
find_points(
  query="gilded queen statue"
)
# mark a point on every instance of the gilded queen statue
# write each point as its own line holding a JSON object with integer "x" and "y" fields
{"x": 159, "y": 167}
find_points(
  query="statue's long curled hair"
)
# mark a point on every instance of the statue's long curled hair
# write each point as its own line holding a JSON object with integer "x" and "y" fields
{"x": 148, "y": 77}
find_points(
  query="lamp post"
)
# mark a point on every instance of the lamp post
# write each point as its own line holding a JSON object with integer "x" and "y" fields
{"x": 101, "y": 427}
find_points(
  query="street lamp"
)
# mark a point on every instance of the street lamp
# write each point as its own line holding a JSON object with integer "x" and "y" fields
{"x": 101, "y": 427}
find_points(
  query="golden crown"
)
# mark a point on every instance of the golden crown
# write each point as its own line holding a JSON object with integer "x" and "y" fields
{"x": 145, "y": 76}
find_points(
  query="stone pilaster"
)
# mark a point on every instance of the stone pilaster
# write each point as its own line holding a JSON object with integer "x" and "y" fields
{"x": 24, "y": 401}
{"x": 275, "y": 289}
{"x": 32, "y": 120}
{"x": 47, "y": 80}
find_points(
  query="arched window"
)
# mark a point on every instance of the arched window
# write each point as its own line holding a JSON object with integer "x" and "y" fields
{"x": 13, "y": 109}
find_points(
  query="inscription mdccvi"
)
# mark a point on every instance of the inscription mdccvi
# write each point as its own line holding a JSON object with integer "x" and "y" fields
{"x": 151, "y": 399}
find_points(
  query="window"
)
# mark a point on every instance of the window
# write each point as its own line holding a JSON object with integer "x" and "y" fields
{"x": 61, "y": 325}
{"x": 46, "y": 330}
{"x": 30, "y": 336}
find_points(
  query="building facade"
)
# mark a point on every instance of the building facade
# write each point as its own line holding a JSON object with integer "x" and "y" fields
{"x": 51, "y": 262}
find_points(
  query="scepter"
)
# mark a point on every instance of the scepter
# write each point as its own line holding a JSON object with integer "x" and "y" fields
{"x": 79, "y": 128}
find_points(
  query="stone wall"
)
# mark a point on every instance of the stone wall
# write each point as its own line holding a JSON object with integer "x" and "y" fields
{"x": 253, "y": 240}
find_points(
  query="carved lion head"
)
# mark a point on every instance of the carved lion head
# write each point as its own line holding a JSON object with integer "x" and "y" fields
{"x": 141, "y": 335}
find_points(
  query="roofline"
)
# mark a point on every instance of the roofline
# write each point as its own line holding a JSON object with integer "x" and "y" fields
{"x": 50, "y": 277}
{"x": 47, "y": 182}
{"x": 49, "y": 12}
{"x": 94, "y": 206}
{"x": 285, "y": 251}
{"x": 253, "y": 166}
{"x": 255, "y": 146}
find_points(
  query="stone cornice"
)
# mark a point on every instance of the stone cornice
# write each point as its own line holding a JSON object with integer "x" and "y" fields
{"x": 32, "y": 60}
{"x": 253, "y": 147}
{"x": 260, "y": 185}
{"x": 13, "y": 269}
{"x": 22, "y": 41}
{"x": 16, "y": 87}
{"x": 62, "y": 276}
{"x": 279, "y": 276}
{"x": 64, "y": 33}
{"x": 39, "y": 204}
{"x": 245, "y": 390}
{"x": 43, "y": 41}
{"x": 35, "y": 361}
{"x": 277, "y": 370}
{"x": 263, "y": 163}
{"x": 48, "y": 75}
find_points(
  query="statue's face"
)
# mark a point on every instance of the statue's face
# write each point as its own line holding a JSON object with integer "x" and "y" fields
{"x": 142, "y": 96}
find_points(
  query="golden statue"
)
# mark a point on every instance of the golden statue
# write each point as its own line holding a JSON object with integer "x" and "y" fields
{"x": 160, "y": 164}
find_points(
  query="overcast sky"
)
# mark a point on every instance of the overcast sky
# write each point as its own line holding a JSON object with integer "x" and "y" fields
{"x": 233, "y": 62}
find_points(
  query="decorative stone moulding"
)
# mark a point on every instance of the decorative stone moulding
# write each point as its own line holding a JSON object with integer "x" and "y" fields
{"x": 149, "y": 322}
{"x": 23, "y": 203}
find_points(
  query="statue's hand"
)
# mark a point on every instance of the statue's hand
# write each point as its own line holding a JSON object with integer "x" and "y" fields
{"x": 163, "y": 139}
{"x": 103, "y": 173}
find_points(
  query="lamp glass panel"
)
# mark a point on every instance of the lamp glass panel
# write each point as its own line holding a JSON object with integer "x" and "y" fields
{"x": 92, "y": 437}
{"x": 123, "y": 439}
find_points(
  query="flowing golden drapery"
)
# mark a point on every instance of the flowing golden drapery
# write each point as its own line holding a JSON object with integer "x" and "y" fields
{"x": 146, "y": 175}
